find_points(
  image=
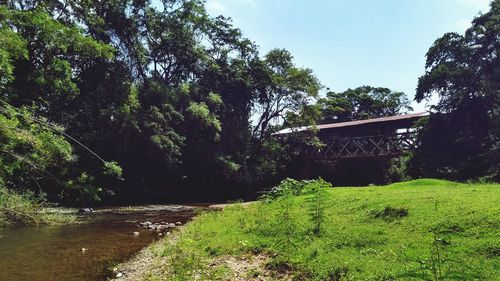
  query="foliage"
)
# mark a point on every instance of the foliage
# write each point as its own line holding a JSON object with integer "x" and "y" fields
{"x": 173, "y": 101}
{"x": 364, "y": 102}
{"x": 30, "y": 152}
{"x": 112, "y": 169}
{"x": 294, "y": 187}
{"x": 398, "y": 169}
{"x": 460, "y": 138}
{"x": 37, "y": 154}
{"x": 285, "y": 88}
{"x": 25, "y": 208}
{"x": 354, "y": 246}
{"x": 161, "y": 89}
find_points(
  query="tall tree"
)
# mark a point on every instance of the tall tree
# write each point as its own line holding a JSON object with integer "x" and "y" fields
{"x": 162, "y": 88}
{"x": 282, "y": 87}
{"x": 460, "y": 139}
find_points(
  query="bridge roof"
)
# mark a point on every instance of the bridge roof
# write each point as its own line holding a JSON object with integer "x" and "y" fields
{"x": 397, "y": 119}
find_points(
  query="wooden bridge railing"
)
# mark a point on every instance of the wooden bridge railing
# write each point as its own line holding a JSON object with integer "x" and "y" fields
{"x": 362, "y": 147}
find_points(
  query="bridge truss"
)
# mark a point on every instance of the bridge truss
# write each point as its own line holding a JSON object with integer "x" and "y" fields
{"x": 387, "y": 145}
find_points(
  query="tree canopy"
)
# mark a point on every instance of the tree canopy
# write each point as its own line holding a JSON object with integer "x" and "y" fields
{"x": 139, "y": 99}
{"x": 461, "y": 139}
{"x": 166, "y": 91}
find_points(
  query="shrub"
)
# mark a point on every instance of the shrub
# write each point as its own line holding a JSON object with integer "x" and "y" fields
{"x": 293, "y": 187}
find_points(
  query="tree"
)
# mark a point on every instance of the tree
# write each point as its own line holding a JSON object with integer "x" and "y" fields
{"x": 364, "y": 102}
{"x": 51, "y": 54}
{"x": 32, "y": 151}
{"x": 460, "y": 139}
{"x": 162, "y": 89}
{"x": 282, "y": 87}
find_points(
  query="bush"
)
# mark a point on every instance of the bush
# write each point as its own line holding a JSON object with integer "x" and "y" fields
{"x": 293, "y": 187}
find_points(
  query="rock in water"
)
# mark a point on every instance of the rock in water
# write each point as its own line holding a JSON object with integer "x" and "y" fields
{"x": 85, "y": 210}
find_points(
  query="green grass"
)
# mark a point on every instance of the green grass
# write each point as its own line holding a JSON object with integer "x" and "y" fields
{"x": 418, "y": 230}
{"x": 26, "y": 209}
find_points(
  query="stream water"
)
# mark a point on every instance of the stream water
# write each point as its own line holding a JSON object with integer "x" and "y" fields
{"x": 53, "y": 253}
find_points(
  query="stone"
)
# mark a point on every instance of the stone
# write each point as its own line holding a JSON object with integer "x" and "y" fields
{"x": 178, "y": 223}
{"x": 119, "y": 274}
{"x": 86, "y": 210}
{"x": 136, "y": 233}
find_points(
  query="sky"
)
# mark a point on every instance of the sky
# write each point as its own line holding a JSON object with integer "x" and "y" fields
{"x": 350, "y": 43}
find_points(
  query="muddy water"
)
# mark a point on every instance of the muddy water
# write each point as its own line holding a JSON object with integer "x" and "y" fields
{"x": 55, "y": 253}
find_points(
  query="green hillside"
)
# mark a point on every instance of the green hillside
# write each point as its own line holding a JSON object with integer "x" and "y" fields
{"x": 418, "y": 230}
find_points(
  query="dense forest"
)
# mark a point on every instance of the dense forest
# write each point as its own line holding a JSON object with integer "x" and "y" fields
{"x": 135, "y": 99}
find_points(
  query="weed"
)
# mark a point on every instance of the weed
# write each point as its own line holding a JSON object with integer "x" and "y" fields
{"x": 436, "y": 259}
{"x": 316, "y": 205}
{"x": 436, "y": 262}
{"x": 286, "y": 224}
{"x": 338, "y": 273}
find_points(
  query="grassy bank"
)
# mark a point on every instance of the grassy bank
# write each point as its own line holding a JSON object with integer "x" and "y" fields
{"x": 417, "y": 230}
{"x": 26, "y": 209}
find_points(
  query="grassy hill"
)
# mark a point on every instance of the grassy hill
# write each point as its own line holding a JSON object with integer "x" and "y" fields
{"x": 418, "y": 230}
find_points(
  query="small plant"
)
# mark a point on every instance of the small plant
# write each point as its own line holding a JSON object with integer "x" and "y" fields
{"x": 316, "y": 205}
{"x": 436, "y": 261}
{"x": 286, "y": 224}
{"x": 436, "y": 258}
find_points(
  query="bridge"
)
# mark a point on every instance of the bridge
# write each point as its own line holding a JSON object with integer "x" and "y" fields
{"x": 379, "y": 137}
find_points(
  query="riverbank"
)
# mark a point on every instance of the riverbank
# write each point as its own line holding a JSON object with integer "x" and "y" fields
{"x": 27, "y": 209}
{"x": 86, "y": 249}
{"x": 423, "y": 229}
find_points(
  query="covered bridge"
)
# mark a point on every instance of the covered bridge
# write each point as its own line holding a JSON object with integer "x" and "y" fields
{"x": 378, "y": 137}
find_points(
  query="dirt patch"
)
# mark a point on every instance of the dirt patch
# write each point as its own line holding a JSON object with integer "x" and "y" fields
{"x": 136, "y": 268}
{"x": 249, "y": 268}
{"x": 245, "y": 268}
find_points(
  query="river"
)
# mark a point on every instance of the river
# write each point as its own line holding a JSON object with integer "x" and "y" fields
{"x": 82, "y": 251}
